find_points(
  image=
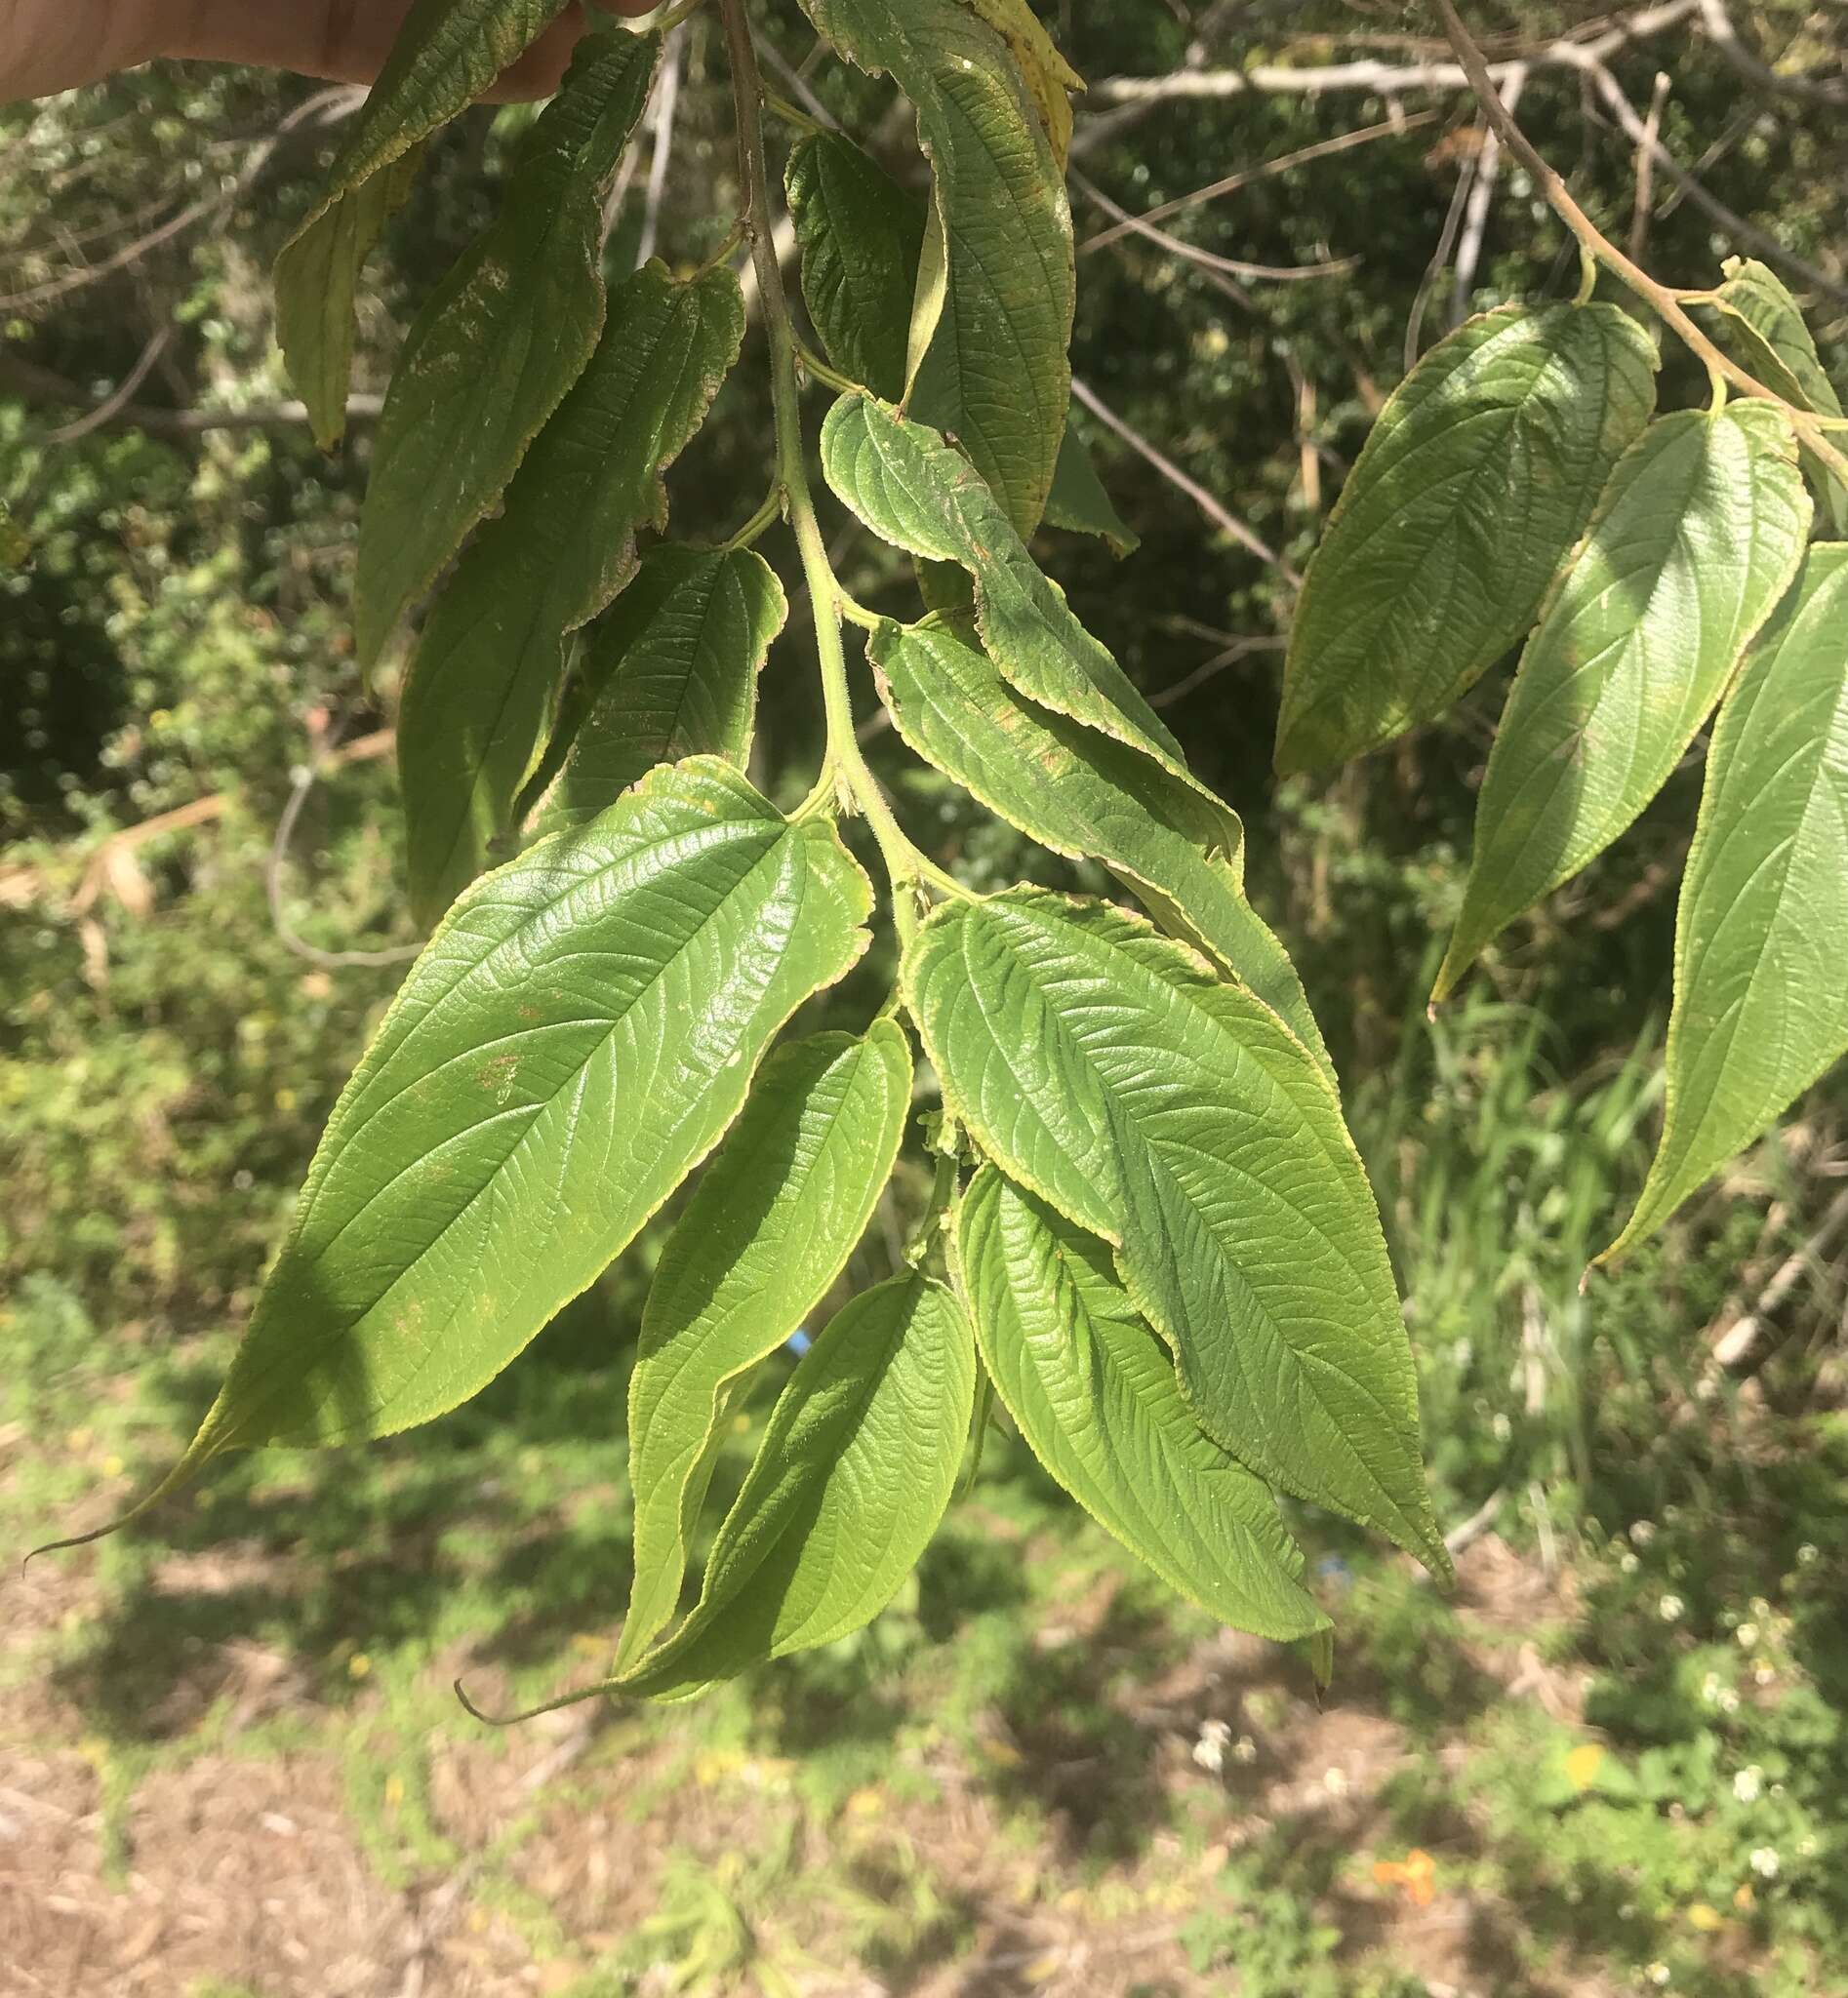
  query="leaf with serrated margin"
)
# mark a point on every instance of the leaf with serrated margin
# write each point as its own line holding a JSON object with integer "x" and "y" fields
{"x": 916, "y": 491}
{"x": 767, "y": 1230}
{"x": 1079, "y": 504}
{"x": 316, "y": 276}
{"x": 1049, "y": 78}
{"x": 500, "y": 340}
{"x": 1080, "y": 793}
{"x": 997, "y": 368}
{"x": 446, "y": 55}
{"x": 486, "y": 674}
{"x": 670, "y": 672}
{"x": 1094, "y": 1393}
{"x": 1478, "y": 478}
{"x": 576, "y": 1037}
{"x": 1755, "y": 319}
{"x": 1110, "y": 1071}
{"x": 856, "y": 1469}
{"x": 1696, "y": 539}
{"x": 1761, "y": 939}
{"x": 860, "y": 235}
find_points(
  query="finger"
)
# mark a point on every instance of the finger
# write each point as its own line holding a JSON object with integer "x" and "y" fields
{"x": 347, "y": 40}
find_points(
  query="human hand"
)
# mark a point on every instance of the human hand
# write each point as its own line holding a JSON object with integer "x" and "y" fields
{"x": 54, "y": 45}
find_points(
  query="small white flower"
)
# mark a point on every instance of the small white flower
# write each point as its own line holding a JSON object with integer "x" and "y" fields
{"x": 1748, "y": 1635}
{"x": 1643, "y": 1532}
{"x": 1335, "y": 1782}
{"x": 1728, "y": 1702}
{"x": 1669, "y": 1609}
{"x": 1806, "y": 1846}
{"x": 1244, "y": 1749}
{"x": 1806, "y": 1555}
{"x": 1501, "y": 1426}
{"x": 1748, "y": 1782}
{"x": 1628, "y": 1564}
{"x": 1763, "y": 1674}
{"x": 1657, "y": 1972}
{"x": 1764, "y": 1862}
{"x": 1709, "y": 1690}
{"x": 1209, "y": 1751}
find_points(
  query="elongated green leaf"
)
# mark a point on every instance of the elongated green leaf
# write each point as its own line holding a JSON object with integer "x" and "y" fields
{"x": 1080, "y": 793}
{"x": 1761, "y": 940}
{"x": 316, "y": 276}
{"x": 446, "y": 55}
{"x": 1110, "y": 1071}
{"x": 576, "y": 1037}
{"x": 1049, "y": 77}
{"x": 859, "y": 234}
{"x": 501, "y": 340}
{"x": 997, "y": 370}
{"x": 1695, "y": 540}
{"x": 916, "y": 491}
{"x": 672, "y": 672}
{"x": 487, "y": 665}
{"x": 1078, "y": 501}
{"x": 855, "y": 1468}
{"x": 1476, "y": 480}
{"x": 767, "y": 1230}
{"x": 1755, "y": 319}
{"x": 1094, "y": 1393}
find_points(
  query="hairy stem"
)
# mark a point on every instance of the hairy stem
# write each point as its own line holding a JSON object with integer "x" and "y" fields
{"x": 845, "y": 772}
{"x": 1661, "y": 298}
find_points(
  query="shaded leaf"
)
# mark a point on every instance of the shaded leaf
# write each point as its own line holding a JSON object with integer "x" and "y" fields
{"x": 1078, "y": 501}
{"x": 1094, "y": 1393}
{"x": 1475, "y": 481}
{"x": 1695, "y": 540}
{"x": 916, "y": 491}
{"x": 1755, "y": 319}
{"x": 574, "y": 1038}
{"x": 1049, "y": 77}
{"x": 500, "y": 340}
{"x": 446, "y": 55}
{"x": 767, "y": 1230}
{"x": 855, "y": 1471}
{"x": 672, "y": 673}
{"x": 1761, "y": 939}
{"x": 1110, "y": 1072}
{"x": 859, "y": 234}
{"x": 1081, "y": 793}
{"x": 316, "y": 276}
{"x": 996, "y": 368}
{"x": 486, "y": 674}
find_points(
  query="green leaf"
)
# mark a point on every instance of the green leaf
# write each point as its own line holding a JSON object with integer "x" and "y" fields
{"x": 486, "y": 674}
{"x": 767, "y": 1230}
{"x": 1049, "y": 77}
{"x": 856, "y": 1469}
{"x": 916, "y": 491}
{"x": 1761, "y": 940}
{"x": 1078, "y": 502}
{"x": 446, "y": 55}
{"x": 672, "y": 673}
{"x": 501, "y": 340}
{"x": 1094, "y": 1393}
{"x": 1695, "y": 540}
{"x": 1082, "y": 794}
{"x": 316, "y": 276}
{"x": 1475, "y": 482}
{"x": 1110, "y": 1072}
{"x": 1758, "y": 323}
{"x": 574, "y": 1038}
{"x": 859, "y": 234}
{"x": 997, "y": 370}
